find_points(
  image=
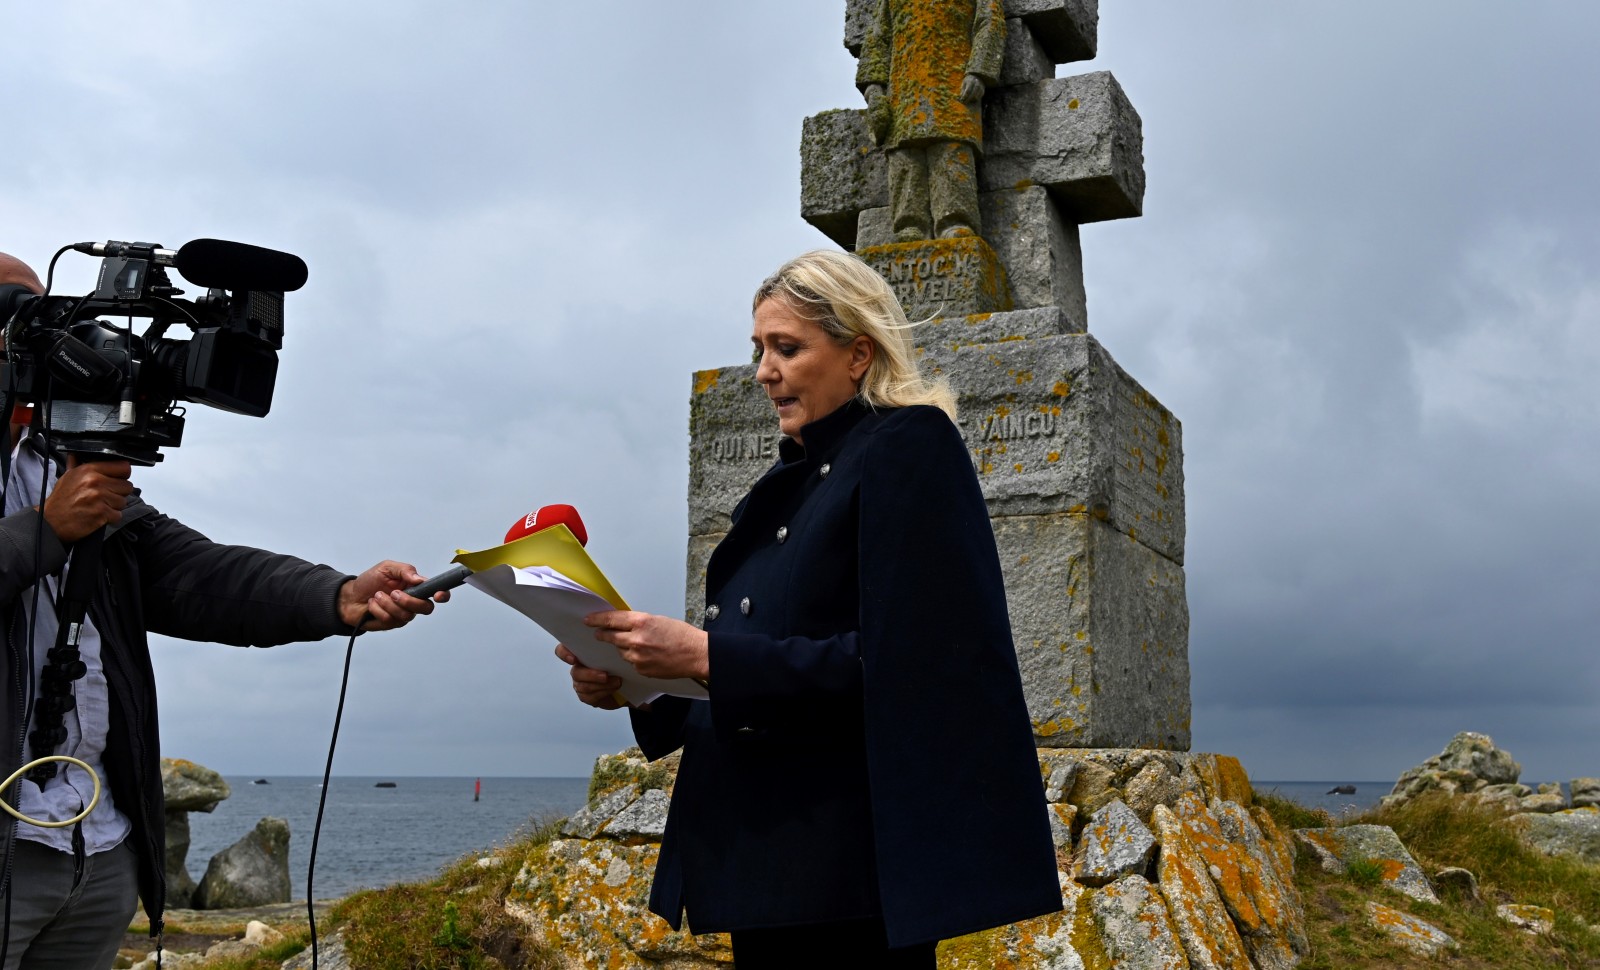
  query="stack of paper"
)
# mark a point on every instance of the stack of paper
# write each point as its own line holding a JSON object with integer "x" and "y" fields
{"x": 549, "y": 578}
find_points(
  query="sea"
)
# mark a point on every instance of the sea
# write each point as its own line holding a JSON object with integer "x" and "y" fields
{"x": 374, "y": 837}
{"x": 1320, "y": 794}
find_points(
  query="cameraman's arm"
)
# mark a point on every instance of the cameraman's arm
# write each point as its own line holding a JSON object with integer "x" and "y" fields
{"x": 20, "y": 535}
{"x": 202, "y": 590}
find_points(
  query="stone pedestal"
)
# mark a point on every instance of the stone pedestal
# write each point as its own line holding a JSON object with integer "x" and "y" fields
{"x": 1082, "y": 471}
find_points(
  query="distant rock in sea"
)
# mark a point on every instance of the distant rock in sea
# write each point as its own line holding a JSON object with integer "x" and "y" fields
{"x": 1342, "y": 790}
{"x": 261, "y": 781}
{"x": 385, "y": 784}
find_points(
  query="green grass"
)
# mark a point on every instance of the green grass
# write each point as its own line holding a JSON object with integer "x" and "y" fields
{"x": 457, "y": 921}
{"x": 1442, "y": 832}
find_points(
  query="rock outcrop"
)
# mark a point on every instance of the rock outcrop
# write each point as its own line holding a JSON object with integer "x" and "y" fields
{"x": 1468, "y": 764}
{"x": 1472, "y": 767}
{"x": 187, "y": 787}
{"x": 254, "y": 871}
{"x": 1164, "y": 863}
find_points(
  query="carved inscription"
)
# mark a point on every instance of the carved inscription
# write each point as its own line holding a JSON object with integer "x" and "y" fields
{"x": 743, "y": 447}
{"x": 933, "y": 279}
{"x": 1037, "y": 422}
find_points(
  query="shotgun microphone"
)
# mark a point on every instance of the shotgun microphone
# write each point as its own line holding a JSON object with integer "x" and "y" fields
{"x": 546, "y": 517}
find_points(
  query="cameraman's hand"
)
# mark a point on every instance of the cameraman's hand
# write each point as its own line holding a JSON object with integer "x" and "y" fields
{"x": 89, "y": 496}
{"x": 379, "y": 592}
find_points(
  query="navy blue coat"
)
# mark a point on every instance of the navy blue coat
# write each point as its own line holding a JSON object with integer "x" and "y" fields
{"x": 866, "y": 750}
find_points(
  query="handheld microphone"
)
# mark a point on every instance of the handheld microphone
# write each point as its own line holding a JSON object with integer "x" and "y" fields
{"x": 547, "y": 517}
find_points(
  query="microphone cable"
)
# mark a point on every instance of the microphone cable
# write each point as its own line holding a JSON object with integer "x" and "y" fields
{"x": 322, "y": 799}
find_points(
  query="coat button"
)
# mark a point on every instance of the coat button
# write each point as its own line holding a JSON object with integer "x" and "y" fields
{"x": 713, "y": 611}
{"x": 744, "y": 606}
{"x": 825, "y": 469}
{"x": 783, "y": 534}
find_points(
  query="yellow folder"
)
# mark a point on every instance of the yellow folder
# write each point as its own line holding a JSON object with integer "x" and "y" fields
{"x": 556, "y": 548}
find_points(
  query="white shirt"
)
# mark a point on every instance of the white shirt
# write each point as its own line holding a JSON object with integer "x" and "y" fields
{"x": 69, "y": 791}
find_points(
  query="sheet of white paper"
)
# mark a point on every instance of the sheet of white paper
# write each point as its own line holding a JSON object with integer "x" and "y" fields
{"x": 559, "y": 605}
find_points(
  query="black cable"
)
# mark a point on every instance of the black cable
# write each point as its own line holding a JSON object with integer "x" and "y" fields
{"x": 322, "y": 800}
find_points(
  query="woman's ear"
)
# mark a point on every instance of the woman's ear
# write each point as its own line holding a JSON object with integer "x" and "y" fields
{"x": 861, "y": 351}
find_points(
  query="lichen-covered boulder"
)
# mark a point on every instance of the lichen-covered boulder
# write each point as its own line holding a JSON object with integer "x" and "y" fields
{"x": 1454, "y": 880}
{"x": 1535, "y": 920}
{"x": 189, "y": 787}
{"x": 1410, "y": 932}
{"x": 1136, "y": 928}
{"x": 1574, "y": 833}
{"x": 589, "y": 900}
{"x": 1266, "y": 911}
{"x": 1113, "y": 844}
{"x": 1585, "y": 792}
{"x": 586, "y": 894}
{"x": 1470, "y": 762}
{"x": 1543, "y": 803}
{"x": 254, "y": 871}
{"x": 1335, "y": 849}
{"x": 1201, "y": 918}
{"x": 587, "y": 821}
{"x": 1067, "y": 940}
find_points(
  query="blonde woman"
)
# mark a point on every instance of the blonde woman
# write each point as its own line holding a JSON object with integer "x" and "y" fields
{"x": 863, "y": 778}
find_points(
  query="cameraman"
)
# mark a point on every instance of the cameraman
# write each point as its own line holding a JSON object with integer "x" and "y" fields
{"x": 73, "y": 891}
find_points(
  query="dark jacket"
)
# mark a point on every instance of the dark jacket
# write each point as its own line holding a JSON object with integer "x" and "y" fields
{"x": 164, "y": 577}
{"x": 866, "y": 749}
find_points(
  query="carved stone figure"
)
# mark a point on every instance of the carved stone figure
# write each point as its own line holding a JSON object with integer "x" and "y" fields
{"x": 925, "y": 66}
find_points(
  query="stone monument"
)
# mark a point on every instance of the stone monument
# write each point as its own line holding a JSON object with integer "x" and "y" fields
{"x": 1081, "y": 466}
{"x": 1165, "y": 860}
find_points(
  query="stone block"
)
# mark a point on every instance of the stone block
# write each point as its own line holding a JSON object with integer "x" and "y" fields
{"x": 1039, "y": 249}
{"x": 1336, "y": 848}
{"x": 1067, "y": 29}
{"x": 1414, "y": 934}
{"x": 841, "y": 173}
{"x": 1574, "y": 833}
{"x": 1056, "y": 426}
{"x": 1114, "y": 843}
{"x": 1062, "y": 818}
{"x": 1101, "y": 630}
{"x": 180, "y": 885}
{"x": 1082, "y": 470}
{"x": 1266, "y": 911}
{"x": 1079, "y": 137}
{"x": 254, "y": 871}
{"x": 587, "y": 821}
{"x": 1135, "y": 927}
{"x": 1534, "y": 920}
{"x": 942, "y": 277}
{"x": 1585, "y": 792}
{"x": 700, "y": 549}
{"x": 1026, "y": 60}
{"x": 1198, "y": 912}
{"x": 643, "y": 821}
{"x": 190, "y": 787}
{"x": 590, "y": 900}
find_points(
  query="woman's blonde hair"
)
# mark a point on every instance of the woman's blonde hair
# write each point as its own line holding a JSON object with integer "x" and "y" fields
{"x": 848, "y": 299}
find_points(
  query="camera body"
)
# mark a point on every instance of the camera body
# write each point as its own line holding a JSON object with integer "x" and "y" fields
{"x": 102, "y": 390}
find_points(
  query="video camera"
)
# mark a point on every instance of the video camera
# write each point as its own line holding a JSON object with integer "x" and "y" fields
{"x": 100, "y": 389}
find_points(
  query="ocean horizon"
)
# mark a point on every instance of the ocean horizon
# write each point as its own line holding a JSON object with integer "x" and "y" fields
{"x": 379, "y": 836}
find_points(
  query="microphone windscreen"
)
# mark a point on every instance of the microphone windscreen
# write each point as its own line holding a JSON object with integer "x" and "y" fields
{"x": 548, "y": 517}
{"x": 239, "y": 266}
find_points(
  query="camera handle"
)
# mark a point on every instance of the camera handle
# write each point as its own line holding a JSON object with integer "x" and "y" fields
{"x": 65, "y": 664}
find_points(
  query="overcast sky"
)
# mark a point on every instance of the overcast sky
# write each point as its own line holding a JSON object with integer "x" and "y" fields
{"x": 1367, "y": 281}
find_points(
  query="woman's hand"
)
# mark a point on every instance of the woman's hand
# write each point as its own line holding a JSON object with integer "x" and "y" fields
{"x": 657, "y": 646}
{"x": 594, "y": 687}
